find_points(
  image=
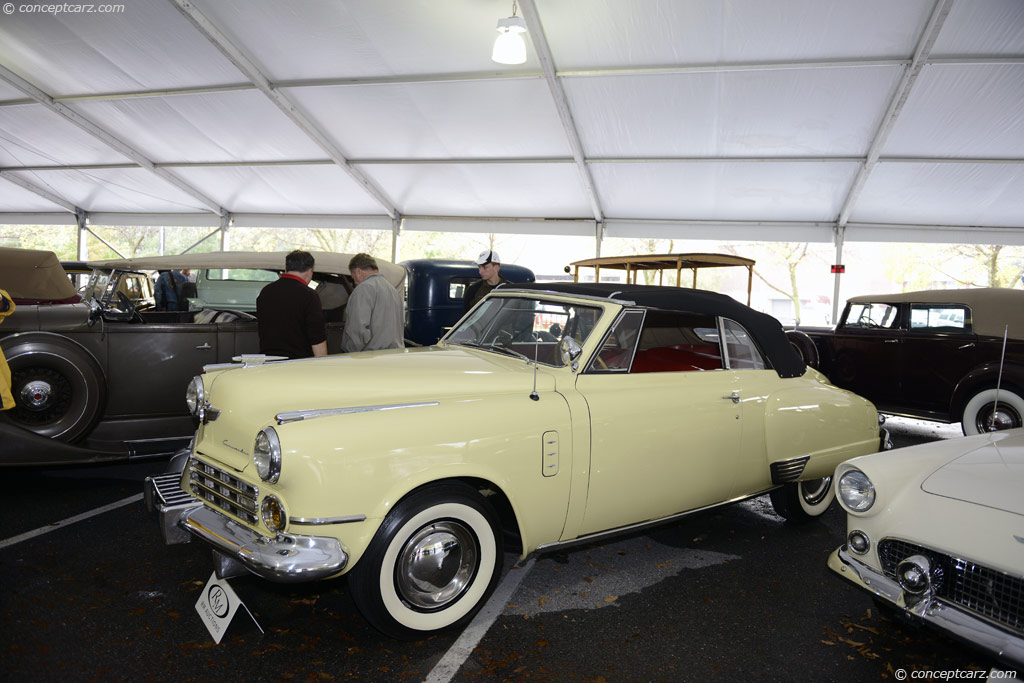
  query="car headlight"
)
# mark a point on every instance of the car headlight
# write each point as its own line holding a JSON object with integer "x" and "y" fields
{"x": 195, "y": 396}
{"x": 266, "y": 455}
{"x": 856, "y": 491}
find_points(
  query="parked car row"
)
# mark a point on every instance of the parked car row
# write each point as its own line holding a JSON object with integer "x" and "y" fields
{"x": 550, "y": 415}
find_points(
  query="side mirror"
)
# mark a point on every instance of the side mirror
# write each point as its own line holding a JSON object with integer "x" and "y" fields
{"x": 569, "y": 352}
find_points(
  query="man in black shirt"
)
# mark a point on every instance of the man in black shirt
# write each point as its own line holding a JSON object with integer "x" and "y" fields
{"x": 488, "y": 263}
{"x": 291, "y": 322}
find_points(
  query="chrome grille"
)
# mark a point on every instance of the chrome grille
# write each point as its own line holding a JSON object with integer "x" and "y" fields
{"x": 985, "y": 592}
{"x": 224, "y": 491}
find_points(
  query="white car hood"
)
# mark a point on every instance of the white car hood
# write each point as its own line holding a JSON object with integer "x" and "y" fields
{"x": 991, "y": 475}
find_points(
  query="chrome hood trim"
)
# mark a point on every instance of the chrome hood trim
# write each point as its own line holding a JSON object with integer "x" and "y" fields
{"x": 299, "y": 415}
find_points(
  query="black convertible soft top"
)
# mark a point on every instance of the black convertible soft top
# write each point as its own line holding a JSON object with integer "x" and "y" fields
{"x": 767, "y": 331}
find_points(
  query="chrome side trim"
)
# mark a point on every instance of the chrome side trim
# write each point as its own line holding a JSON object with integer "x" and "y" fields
{"x": 589, "y": 538}
{"x": 319, "y": 521}
{"x": 298, "y": 415}
{"x": 287, "y": 558}
{"x": 930, "y": 611}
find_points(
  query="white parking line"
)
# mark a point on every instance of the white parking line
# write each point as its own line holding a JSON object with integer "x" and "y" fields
{"x": 459, "y": 652}
{"x": 70, "y": 520}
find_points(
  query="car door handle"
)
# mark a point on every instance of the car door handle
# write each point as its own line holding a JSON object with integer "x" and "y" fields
{"x": 734, "y": 397}
{"x": 205, "y": 346}
{"x": 965, "y": 346}
{"x": 892, "y": 341}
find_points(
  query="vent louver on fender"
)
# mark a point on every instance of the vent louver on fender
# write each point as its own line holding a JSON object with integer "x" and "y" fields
{"x": 785, "y": 471}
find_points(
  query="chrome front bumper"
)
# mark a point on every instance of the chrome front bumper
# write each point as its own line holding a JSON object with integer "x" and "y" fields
{"x": 930, "y": 611}
{"x": 286, "y": 558}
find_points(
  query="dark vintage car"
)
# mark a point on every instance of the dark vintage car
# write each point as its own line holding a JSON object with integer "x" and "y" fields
{"x": 434, "y": 294}
{"x": 101, "y": 379}
{"x": 934, "y": 355}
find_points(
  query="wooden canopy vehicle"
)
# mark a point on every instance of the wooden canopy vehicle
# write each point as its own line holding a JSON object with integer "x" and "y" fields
{"x": 693, "y": 262}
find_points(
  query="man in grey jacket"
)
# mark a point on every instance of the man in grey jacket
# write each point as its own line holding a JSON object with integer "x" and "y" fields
{"x": 374, "y": 317}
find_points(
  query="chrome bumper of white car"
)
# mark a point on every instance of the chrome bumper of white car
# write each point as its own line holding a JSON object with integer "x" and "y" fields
{"x": 930, "y": 611}
{"x": 288, "y": 558}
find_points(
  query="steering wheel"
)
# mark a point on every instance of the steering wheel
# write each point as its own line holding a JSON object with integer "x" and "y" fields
{"x": 600, "y": 363}
{"x": 129, "y": 306}
{"x": 503, "y": 338}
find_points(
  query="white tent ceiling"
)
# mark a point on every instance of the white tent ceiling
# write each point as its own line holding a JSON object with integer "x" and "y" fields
{"x": 745, "y": 119}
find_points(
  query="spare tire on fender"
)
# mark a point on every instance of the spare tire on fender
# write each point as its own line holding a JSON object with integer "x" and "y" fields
{"x": 804, "y": 346}
{"x": 58, "y": 387}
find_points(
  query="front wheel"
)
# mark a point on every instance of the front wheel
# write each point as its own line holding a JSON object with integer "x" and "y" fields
{"x": 803, "y": 500}
{"x": 987, "y": 412}
{"x": 432, "y": 563}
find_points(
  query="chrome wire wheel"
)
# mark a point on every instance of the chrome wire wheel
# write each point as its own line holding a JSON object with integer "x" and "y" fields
{"x": 436, "y": 565}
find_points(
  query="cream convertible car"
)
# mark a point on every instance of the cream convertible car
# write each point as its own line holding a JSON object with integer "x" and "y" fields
{"x": 936, "y": 532}
{"x": 549, "y": 414}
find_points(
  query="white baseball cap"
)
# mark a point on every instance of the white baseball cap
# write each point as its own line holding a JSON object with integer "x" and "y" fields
{"x": 488, "y": 256}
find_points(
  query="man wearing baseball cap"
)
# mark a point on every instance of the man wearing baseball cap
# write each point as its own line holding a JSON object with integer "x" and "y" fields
{"x": 488, "y": 263}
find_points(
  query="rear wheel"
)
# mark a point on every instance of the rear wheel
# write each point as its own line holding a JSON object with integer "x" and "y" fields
{"x": 432, "y": 563}
{"x": 58, "y": 387}
{"x": 987, "y": 412}
{"x": 803, "y": 500}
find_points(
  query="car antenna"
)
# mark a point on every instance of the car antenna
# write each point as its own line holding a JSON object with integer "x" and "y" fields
{"x": 999, "y": 381}
{"x": 534, "y": 396}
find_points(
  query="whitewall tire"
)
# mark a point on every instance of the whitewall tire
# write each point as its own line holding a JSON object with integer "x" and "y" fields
{"x": 803, "y": 500}
{"x": 431, "y": 565}
{"x": 978, "y": 413}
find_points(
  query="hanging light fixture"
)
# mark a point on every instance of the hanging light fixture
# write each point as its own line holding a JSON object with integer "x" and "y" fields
{"x": 509, "y": 47}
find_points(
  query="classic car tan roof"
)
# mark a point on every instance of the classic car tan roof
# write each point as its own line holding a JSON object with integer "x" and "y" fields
{"x": 662, "y": 261}
{"x": 33, "y": 274}
{"x": 992, "y": 308}
{"x": 634, "y": 263}
{"x": 326, "y": 262}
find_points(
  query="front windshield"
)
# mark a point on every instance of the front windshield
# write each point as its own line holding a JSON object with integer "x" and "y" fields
{"x": 97, "y": 285}
{"x": 530, "y": 328}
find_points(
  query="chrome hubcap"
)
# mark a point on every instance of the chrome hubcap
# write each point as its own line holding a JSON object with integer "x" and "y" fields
{"x": 36, "y": 395}
{"x": 816, "y": 490}
{"x": 1003, "y": 417}
{"x": 436, "y": 565}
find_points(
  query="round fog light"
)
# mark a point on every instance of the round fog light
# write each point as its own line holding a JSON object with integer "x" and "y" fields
{"x": 914, "y": 574}
{"x": 858, "y": 542}
{"x": 273, "y": 514}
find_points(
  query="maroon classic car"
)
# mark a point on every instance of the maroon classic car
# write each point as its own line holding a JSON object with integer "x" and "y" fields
{"x": 934, "y": 355}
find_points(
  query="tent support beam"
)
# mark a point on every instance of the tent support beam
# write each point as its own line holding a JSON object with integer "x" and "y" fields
{"x": 561, "y": 102}
{"x": 103, "y": 136}
{"x": 839, "y": 235}
{"x": 396, "y": 233}
{"x": 924, "y": 47}
{"x": 244, "y": 64}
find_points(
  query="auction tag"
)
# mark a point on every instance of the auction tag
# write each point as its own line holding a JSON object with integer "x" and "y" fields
{"x": 217, "y": 605}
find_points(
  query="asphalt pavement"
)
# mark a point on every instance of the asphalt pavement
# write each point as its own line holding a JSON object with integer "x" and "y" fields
{"x": 89, "y": 592}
